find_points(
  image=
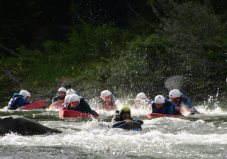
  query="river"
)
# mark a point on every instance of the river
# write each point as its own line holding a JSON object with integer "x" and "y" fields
{"x": 198, "y": 136}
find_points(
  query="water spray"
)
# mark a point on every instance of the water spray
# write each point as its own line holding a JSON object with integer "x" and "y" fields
{"x": 216, "y": 99}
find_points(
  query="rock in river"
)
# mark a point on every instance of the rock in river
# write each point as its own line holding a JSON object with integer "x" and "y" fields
{"x": 23, "y": 126}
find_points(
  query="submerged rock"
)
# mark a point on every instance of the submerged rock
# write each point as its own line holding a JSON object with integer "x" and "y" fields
{"x": 23, "y": 126}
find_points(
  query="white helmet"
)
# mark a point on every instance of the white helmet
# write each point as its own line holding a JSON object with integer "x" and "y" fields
{"x": 62, "y": 89}
{"x": 174, "y": 93}
{"x": 67, "y": 99}
{"x": 105, "y": 93}
{"x": 141, "y": 96}
{"x": 70, "y": 91}
{"x": 74, "y": 98}
{"x": 159, "y": 99}
{"x": 25, "y": 93}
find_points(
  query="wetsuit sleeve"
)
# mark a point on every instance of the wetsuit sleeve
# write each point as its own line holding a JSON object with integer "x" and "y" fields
{"x": 153, "y": 110}
{"x": 22, "y": 102}
{"x": 170, "y": 110}
{"x": 85, "y": 106}
{"x": 11, "y": 105}
{"x": 115, "y": 119}
{"x": 140, "y": 121}
{"x": 176, "y": 104}
{"x": 170, "y": 107}
{"x": 188, "y": 102}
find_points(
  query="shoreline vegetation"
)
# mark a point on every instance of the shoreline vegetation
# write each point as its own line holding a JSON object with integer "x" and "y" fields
{"x": 127, "y": 47}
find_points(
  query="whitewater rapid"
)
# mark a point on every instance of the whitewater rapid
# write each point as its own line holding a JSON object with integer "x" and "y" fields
{"x": 199, "y": 136}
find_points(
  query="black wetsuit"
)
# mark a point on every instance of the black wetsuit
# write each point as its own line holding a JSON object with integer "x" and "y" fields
{"x": 118, "y": 122}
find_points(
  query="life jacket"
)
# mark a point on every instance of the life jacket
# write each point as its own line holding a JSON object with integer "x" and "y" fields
{"x": 184, "y": 100}
{"x": 75, "y": 109}
{"x": 57, "y": 98}
{"x": 166, "y": 109}
{"x": 14, "y": 102}
{"x": 83, "y": 106}
{"x": 135, "y": 127}
{"x": 118, "y": 122}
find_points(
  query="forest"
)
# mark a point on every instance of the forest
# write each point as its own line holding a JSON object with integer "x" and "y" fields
{"x": 126, "y": 46}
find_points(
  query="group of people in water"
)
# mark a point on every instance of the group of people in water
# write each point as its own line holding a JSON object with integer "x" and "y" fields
{"x": 73, "y": 101}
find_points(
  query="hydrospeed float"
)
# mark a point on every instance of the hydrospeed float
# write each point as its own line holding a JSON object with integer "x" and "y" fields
{"x": 192, "y": 111}
{"x": 57, "y": 105}
{"x": 135, "y": 127}
{"x": 106, "y": 107}
{"x": 141, "y": 106}
{"x": 156, "y": 115}
{"x": 64, "y": 112}
{"x": 183, "y": 109}
{"x": 34, "y": 105}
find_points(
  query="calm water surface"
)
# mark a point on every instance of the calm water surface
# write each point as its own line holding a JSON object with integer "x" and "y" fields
{"x": 199, "y": 136}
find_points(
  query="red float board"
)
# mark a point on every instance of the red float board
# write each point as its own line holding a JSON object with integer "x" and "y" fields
{"x": 64, "y": 112}
{"x": 34, "y": 105}
{"x": 57, "y": 104}
{"x": 183, "y": 109}
{"x": 106, "y": 107}
{"x": 155, "y": 115}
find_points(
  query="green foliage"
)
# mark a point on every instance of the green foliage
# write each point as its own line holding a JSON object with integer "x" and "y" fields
{"x": 191, "y": 42}
{"x": 77, "y": 59}
{"x": 53, "y": 47}
{"x": 140, "y": 66}
{"x": 196, "y": 38}
{"x": 94, "y": 43}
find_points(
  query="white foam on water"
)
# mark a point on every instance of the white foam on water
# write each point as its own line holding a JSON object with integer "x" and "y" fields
{"x": 198, "y": 136}
{"x": 160, "y": 137}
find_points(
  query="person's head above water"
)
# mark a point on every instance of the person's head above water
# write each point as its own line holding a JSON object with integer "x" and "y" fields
{"x": 26, "y": 94}
{"x": 70, "y": 91}
{"x": 62, "y": 92}
{"x": 74, "y": 100}
{"x": 174, "y": 95}
{"x": 125, "y": 113}
{"x": 141, "y": 98}
{"x": 67, "y": 99}
{"x": 159, "y": 101}
{"x": 106, "y": 96}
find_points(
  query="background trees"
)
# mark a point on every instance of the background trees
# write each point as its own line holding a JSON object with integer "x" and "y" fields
{"x": 124, "y": 46}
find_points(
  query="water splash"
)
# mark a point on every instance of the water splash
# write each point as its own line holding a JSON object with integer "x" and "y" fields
{"x": 216, "y": 99}
{"x": 213, "y": 100}
{"x": 174, "y": 82}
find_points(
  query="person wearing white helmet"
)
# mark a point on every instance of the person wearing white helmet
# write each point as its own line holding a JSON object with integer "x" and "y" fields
{"x": 142, "y": 101}
{"x": 141, "y": 96}
{"x": 106, "y": 98}
{"x": 60, "y": 95}
{"x": 164, "y": 106}
{"x": 67, "y": 100}
{"x": 77, "y": 103}
{"x": 179, "y": 99}
{"x": 19, "y": 100}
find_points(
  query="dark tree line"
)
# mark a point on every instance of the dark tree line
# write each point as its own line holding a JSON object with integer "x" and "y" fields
{"x": 127, "y": 46}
